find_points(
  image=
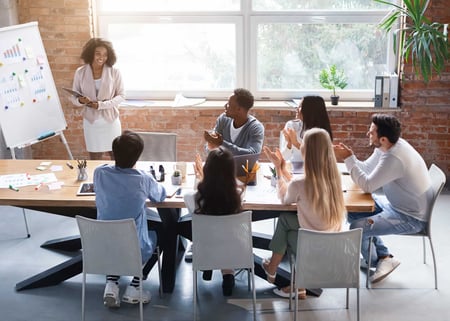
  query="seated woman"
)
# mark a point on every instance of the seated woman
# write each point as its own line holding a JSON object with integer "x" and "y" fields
{"x": 217, "y": 194}
{"x": 310, "y": 113}
{"x": 318, "y": 195}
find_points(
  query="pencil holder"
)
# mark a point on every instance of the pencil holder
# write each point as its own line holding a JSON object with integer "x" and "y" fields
{"x": 82, "y": 174}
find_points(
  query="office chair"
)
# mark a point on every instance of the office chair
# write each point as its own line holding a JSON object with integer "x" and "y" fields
{"x": 26, "y": 223}
{"x": 437, "y": 183}
{"x": 159, "y": 147}
{"x": 219, "y": 242}
{"x": 327, "y": 260}
{"x": 105, "y": 253}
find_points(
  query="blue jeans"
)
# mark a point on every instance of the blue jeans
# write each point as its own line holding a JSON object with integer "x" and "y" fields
{"x": 383, "y": 221}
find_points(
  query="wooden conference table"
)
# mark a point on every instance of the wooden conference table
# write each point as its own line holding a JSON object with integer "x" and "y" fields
{"x": 261, "y": 199}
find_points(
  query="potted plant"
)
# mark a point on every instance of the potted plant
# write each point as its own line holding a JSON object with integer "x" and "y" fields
{"x": 418, "y": 38}
{"x": 331, "y": 79}
{"x": 176, "y": 177}
{"x": 273, "y": 178}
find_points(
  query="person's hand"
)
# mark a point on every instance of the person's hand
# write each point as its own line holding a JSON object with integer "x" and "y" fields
{"x": 84, "y": 100}
{"x": 274, "y": 157}
{"x": 92, "y": 104}
{"x": 213, "y": 138}
{"x": 291, "y": 137}
{"x": 198, "y": 167}
{"x": 341, "y": 152}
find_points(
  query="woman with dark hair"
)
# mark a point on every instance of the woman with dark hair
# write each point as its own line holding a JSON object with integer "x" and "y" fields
{"x": 217, "y": 193}
{"x": 102, "y": 90}
{"x": 310, "y": 113}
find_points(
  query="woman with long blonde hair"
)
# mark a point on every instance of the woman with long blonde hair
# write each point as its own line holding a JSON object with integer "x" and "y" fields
{"x": 318, "y": 195}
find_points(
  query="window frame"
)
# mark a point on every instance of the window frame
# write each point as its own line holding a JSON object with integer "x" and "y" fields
{"x": 246, "y": 21}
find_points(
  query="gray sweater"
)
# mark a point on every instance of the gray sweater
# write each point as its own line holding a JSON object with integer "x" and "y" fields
{"x": 249, "y": 140}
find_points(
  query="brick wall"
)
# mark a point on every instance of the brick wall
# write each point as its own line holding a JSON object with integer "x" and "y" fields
{"x": 65, "y": 25}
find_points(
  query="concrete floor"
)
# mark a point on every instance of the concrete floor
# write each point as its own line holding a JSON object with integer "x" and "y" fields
{"x": 408, "y": 294}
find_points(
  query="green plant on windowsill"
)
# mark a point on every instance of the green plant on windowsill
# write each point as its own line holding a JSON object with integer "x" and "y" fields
{"x": 332, "y": 78}
{"x": 418, "y": 39}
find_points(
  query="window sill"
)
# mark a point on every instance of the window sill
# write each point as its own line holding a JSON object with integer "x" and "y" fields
{"x": 260, "y": 104}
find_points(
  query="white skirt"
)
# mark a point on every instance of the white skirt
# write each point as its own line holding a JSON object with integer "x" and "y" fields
{"x": 100, "y": 135}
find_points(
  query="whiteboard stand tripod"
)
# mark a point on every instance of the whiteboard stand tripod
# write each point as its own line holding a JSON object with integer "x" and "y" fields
{"x": 40, "y": 139}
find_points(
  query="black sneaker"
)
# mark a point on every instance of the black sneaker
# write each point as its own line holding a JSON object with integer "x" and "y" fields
{"x": 228, "y": 284}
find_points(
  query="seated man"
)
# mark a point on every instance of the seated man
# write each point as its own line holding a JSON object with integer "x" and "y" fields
{"x": 397, "y": 168}
{"x": 235, "y": 129}
{"x": 121, "y": 192}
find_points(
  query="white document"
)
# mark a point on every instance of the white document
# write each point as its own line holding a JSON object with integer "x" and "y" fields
{"x": 181, "y": 101}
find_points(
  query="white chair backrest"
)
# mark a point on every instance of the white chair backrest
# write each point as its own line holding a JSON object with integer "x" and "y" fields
{"x": 159, "y": 147}
{"x": 438, "y": 179}
{"x": 328, "y": 259}
{"x": 110, "y": 247}
{"x": 223, "y": 241}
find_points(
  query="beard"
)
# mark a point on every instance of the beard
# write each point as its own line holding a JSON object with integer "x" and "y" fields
{"x": 375, "y": 143}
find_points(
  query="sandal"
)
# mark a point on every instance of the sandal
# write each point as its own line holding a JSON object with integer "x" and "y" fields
{"x": 270, "y": 277}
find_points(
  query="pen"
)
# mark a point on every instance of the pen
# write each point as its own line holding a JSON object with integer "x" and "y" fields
{"x": 38, "y": 186}
{"x": 69, "y": 165}
{"x": 13, "y": 188}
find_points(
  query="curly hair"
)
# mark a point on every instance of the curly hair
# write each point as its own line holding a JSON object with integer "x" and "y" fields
{"x": 88, "y": 52}
{"x": 217, "y": 192}
{"x": 244, "y": 98}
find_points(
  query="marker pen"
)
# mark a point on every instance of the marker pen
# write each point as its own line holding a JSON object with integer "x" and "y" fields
{"x": 13, "y": 188}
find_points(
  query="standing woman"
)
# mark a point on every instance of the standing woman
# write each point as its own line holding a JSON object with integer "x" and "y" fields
{"x": 310, "y": 113}
{"x": 102, "y": 89}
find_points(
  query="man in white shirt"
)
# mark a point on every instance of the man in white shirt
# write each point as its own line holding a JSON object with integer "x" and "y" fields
{"x": 397, "y": 168}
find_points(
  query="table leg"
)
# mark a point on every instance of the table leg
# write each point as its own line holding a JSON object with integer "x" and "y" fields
{"x": 169, "y": 246}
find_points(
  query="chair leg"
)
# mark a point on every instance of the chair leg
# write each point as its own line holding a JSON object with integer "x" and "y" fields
{"x": 83, "y": 297}
{"x": 141, "y": 304}
{"x": 358, "y": 311}
{"x": 292, "y": 264}
{"x": 424, "y": 250}
{"x": 346, "y": 298}
{"x": 254, "y": 293}
{"x": 26, "y": 223}
{"x": 434, "y": 262}
{"x": 194, "y": 287}
{"x": 368, "y": 263}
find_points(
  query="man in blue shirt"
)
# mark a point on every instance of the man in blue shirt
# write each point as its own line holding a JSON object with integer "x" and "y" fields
{"x": 121, "y": 192}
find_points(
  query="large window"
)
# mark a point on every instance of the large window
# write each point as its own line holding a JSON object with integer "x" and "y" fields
{"x": 275, "y": 48}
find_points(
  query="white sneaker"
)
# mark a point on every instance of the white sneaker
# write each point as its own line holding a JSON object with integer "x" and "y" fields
{"x": 111, "y": 295}
{"x": 384, "y": 268}
{"x": 131, "y": 295}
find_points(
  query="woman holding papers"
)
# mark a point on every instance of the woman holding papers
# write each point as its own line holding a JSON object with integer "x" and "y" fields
{"x": 317, "y": 193}
{"x": 310, "y": 113}
{"x": 102, "y": 90}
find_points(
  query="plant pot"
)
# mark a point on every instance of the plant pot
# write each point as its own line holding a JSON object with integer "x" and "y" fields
{"x": 176, "y": 180}
{"x": 334, "y": 100}
{"x": 273, "y": 181}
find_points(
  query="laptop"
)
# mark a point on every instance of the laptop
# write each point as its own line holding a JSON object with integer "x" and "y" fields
{"x": 240, "y": 161}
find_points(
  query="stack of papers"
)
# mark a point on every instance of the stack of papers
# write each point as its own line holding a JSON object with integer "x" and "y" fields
{"x": 181, "y": 101}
